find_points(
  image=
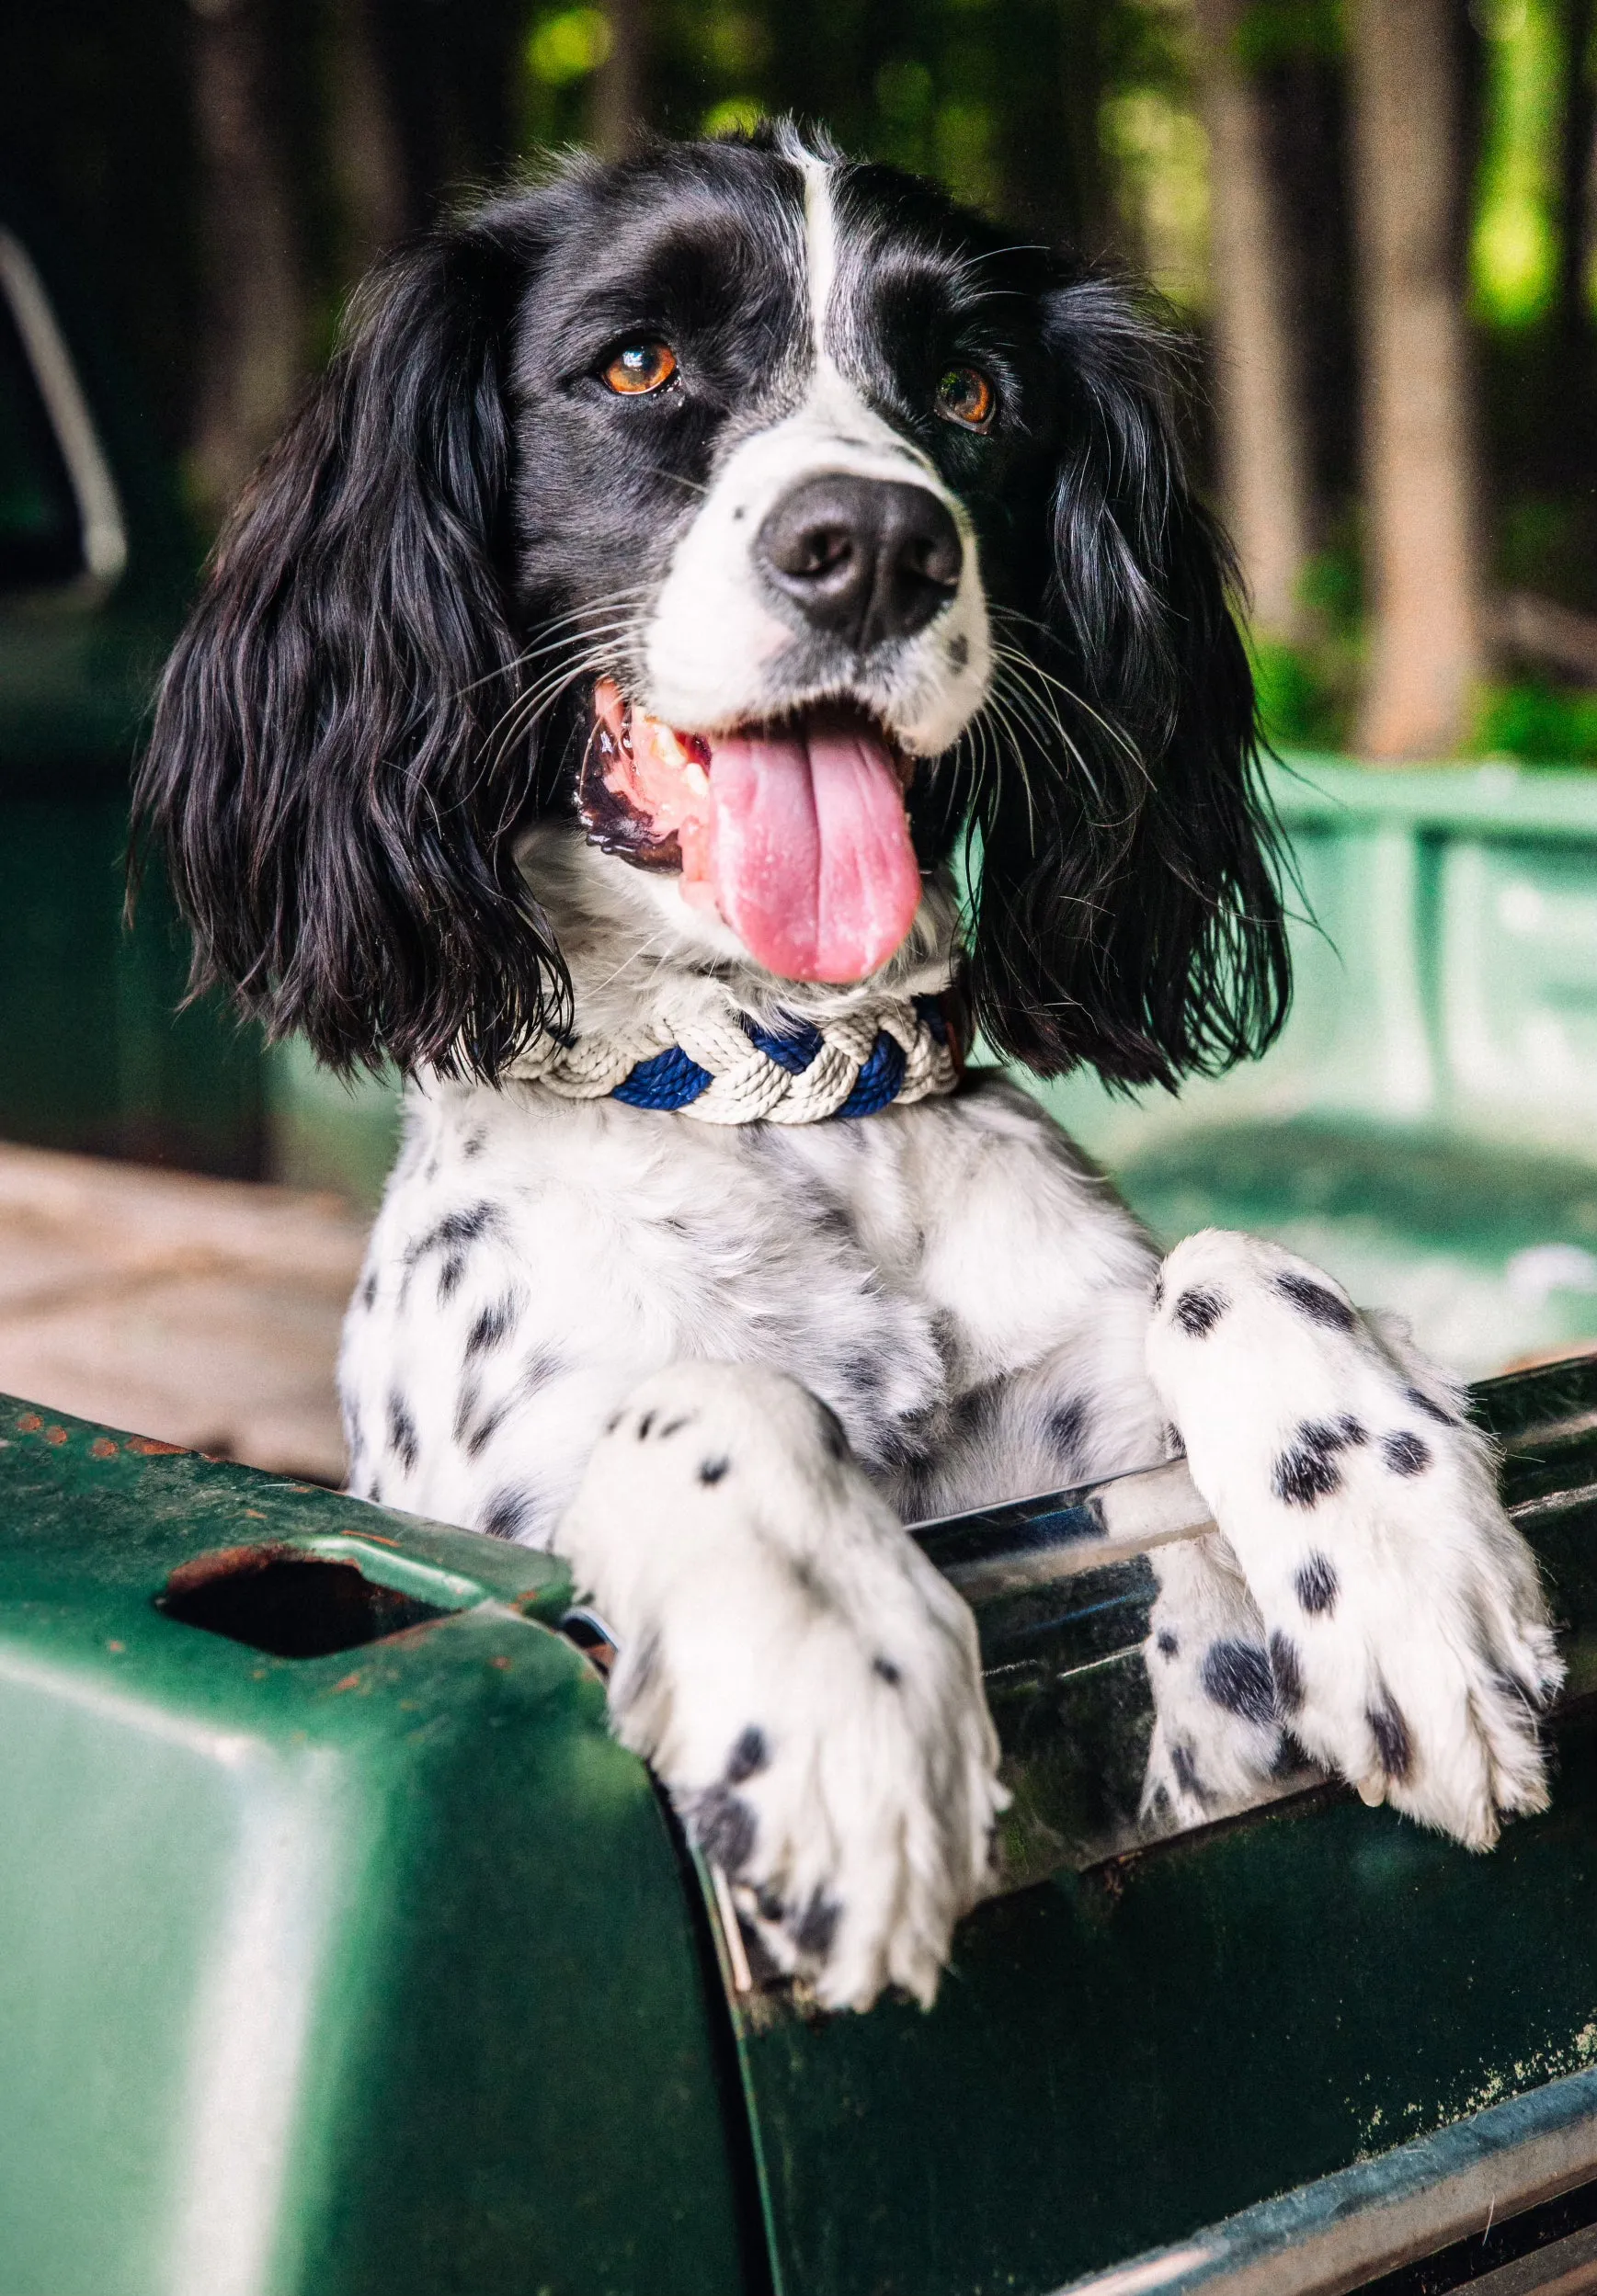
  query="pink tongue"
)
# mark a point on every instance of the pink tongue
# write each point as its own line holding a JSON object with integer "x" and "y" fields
{"x": 814, "y": 867}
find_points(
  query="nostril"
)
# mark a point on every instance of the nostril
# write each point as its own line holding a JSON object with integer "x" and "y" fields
{"x": 820, "y": 550}
{"x": 929, "y": 549}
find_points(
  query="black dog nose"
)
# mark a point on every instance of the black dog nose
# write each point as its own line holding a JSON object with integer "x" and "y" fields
{"x": 866, "y": 558}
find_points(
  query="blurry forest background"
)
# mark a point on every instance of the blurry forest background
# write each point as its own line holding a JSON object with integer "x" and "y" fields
{"x": 1378, "y": 218}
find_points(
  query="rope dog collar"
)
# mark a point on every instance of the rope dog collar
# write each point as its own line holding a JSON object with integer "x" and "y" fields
{"x": 723, "y": 1067}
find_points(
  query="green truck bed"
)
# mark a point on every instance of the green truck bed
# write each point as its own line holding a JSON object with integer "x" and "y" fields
{"x": 341, "y": 1950}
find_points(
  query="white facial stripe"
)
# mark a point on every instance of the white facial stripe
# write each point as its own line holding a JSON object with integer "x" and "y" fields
{"x": 820, "y": 249}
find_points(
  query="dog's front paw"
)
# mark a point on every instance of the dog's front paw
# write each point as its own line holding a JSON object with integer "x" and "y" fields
{"x": 1406, "y": 1634}
{"x": 804, "y": 1681}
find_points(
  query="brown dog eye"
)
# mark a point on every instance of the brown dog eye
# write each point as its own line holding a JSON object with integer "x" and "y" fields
{"x": 965, "y": 395}
{"x": 640, "y": 367}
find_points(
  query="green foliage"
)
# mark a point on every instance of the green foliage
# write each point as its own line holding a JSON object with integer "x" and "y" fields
{"x": 1514, "y": 246}
{"x": 1538, "y": 721}
{"x": 1308, "y": 693}
{"x": 569, "y": 46}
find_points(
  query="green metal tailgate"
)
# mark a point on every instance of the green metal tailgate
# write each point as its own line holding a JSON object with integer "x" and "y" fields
{"x": 367, "y": 1971}
{"x": 341, "y": 1950}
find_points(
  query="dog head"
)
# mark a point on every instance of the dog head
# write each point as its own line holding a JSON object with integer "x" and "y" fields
{"x": 759, "y": 525}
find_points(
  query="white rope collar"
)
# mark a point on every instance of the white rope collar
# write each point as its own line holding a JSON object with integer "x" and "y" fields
{"x": 715, "y": 1063}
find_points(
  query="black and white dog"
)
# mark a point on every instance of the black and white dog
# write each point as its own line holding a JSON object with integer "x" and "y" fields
{"x": 679, "y": 564}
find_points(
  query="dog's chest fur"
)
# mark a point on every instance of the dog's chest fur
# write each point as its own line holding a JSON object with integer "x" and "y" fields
{"x": 534, "y": 1259}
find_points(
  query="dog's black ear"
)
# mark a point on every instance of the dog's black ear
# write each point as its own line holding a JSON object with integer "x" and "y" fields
{"x": 1128, "y": 915}
{"x": 328, "y": 775}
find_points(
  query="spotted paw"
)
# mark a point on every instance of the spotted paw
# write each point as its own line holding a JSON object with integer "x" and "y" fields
{"x": 1216, "y": 1734}
{"x": 1406, "y": 1634}
{"x": 802, "y": 1678}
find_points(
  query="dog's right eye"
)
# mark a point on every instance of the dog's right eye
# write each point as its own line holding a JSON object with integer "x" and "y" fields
{"x": 640, "y": 367}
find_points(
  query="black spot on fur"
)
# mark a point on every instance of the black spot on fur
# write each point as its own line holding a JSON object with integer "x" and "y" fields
{"x": 540, "y": 1368}
{"x": 810, "y": 1583}
{"x": 1308, "y": 1472}
{"x": 1406, "y": 1454}
{"x": 1068, "y": 1429}
{"x": 1316, "y": 1302}
{"x": 675, "y": 1427}
{"x": 1391, "y": 1733}
{"x": 748, "y": 1757}
{"x": 448, "y": 1277}
{"x": 958, "y": 651}
{"x": 1174, "y": 1447}
{"x": 973, "y": 1416}
{"x": 1169, "y": 1646}
{"x": 645, "y": 1426}
{"x": 865, "y": 1375}
{"x": 613, "y": 1422}
{"x": 473, "y": 1143}
{"x": 510, "y": 1513}
{"x": 1237, "y": 1675}
{"x": 1287, "y": 1668}
{"x": 488, "y": 1427}
{"x": 1198, "y": 1311}
{"x": 1186, "y": 1770}
{"x": 402, "y": 1440}
{"x": 1432, "y": 1410}
{"x": 711, "y": 1469}
{"x": 492, "y": 1328}
{"x": 1158, "y": 1292}
{"x": 888, "y": 1672}
{"x": 725, "y": 1829}
{"x": 1316, "y": 1585}
{"x": 767, "y": 1902}
{"x": 454, "y": 1232}
{"x": 818, "y": 1925}
{"x": 369, "y": 1292}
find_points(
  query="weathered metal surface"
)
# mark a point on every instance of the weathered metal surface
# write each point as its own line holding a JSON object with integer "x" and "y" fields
{"x": 366, "y": 1970}
{"x": 1123, "y": 2055}
{"x": 1373, "y": 2218}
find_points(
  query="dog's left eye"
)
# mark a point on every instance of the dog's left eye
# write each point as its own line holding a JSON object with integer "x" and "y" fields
{"x": 965, "y": 395}
{"x": 640, "y": 367}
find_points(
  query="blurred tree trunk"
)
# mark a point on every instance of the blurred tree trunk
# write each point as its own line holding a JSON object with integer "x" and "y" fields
{"x": 367, "y": 159}
{"x": 1264, "y": 454}
{"x": 253, "y": 346}
{"x": 1419, "y": 438}
{"x": 618, "y": 106}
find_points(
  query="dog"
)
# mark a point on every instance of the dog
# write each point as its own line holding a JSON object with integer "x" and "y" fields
{"x": 683, "y": 565}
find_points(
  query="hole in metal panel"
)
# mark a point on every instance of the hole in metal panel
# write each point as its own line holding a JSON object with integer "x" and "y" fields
{"x": 288, "y": 1603}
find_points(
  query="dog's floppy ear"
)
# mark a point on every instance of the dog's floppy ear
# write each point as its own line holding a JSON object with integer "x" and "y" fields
{"x": 326, "y": 774}
{"x": 1128, "y": 915}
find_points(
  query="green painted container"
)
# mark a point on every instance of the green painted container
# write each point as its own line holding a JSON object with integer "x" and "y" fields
{"x": 342, "y": 1951}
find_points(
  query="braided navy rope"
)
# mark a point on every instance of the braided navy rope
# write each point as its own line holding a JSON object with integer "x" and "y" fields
{"x": 671, "y": 1080}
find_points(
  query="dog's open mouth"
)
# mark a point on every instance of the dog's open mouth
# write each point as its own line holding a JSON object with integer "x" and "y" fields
{"x": 795, "y": 835}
